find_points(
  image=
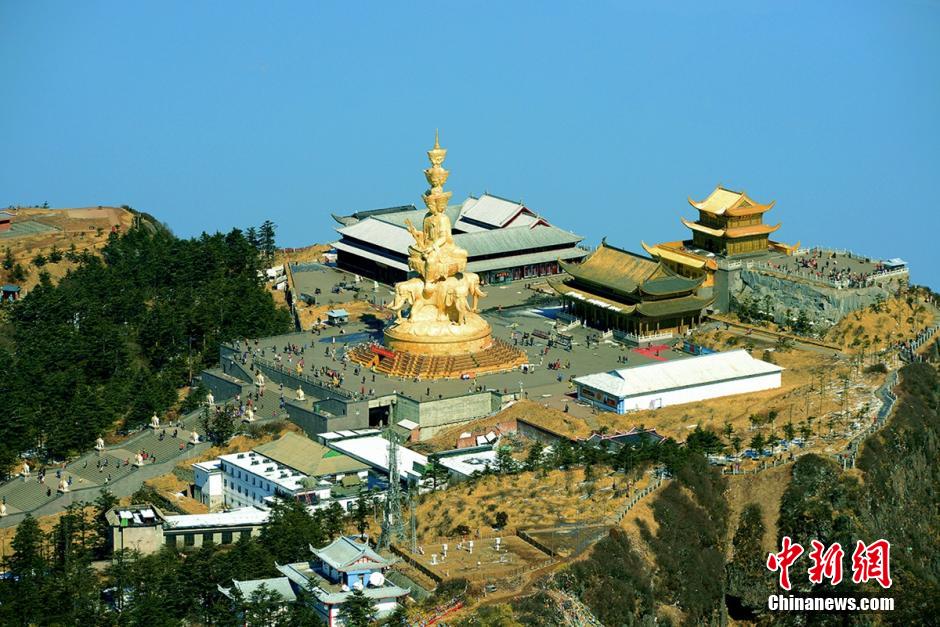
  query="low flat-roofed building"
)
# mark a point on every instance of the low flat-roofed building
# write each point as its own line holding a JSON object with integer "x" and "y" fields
{"x": 504, "y": 240}
{"x": 465, "y": 462}
{"x": 373, "y": 450}
{"x": 195, "y": 530}
{"x": 292, "y": 466}
{"x": 652, "y": 386}
{"x": 208, "y": 483}
{"x": 136, "y": 528}
{"x": 144, "y": 528}
{"x": 616, "y": 441}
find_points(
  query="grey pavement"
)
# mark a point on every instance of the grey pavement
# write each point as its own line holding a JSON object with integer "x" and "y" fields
{"x": 325, "y": 277}
{"x": 326, "y": 351}
{"x": 29, "y": 495}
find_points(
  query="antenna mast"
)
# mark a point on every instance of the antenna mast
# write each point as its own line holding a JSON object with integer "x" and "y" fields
{"x": 392, "y": 522}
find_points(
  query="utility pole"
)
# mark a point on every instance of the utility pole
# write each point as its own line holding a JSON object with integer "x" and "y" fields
{"x": 414, "y": 523}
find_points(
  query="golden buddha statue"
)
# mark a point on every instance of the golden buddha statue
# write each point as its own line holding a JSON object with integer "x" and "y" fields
{"x": 439, "y": 320}
{"x": 434, "y": 255}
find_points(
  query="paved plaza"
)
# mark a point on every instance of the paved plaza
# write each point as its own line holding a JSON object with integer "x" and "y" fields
{"x": 309, "y": 277}
{"x": 112, "y": 468}
{"x": 588, "y": 354}
{"x": 826, "y": 266}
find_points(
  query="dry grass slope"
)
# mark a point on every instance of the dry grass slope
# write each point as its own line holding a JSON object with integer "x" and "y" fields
{"x": 871, "y": 330}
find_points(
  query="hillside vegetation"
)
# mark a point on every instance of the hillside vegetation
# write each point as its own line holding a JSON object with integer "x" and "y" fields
{"x": 693, "y": 558}
{"x": 116, "y": 338}
{"x": 882, "y": 324}
{"x": 52, "y": 240}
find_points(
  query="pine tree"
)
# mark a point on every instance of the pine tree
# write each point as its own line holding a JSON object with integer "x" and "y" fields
{"x": 534, "y": 457}
{"x": 253, "y": 239}
{"x": 746, "y": 571}
{"x": 290, "y": 531}
{"x": 757, "y": 443}
{"x": 30, "y": 569}
{"x": 104, "y": 537}
{"x": 361, "y": 513}
{"x": 262, "y": 607}
{"x": 268, "y": 246}
{"x": 8, "y": 259}
{"x": 335, "y": 519}
{"x": 505, "y": 464}
{"x": 398, "y": 618}
{"x": 358, "y": 610}
{"x": 18, "y": 273}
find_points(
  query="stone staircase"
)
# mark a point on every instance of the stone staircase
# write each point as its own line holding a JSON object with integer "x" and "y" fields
{"x": 499, "y": 357}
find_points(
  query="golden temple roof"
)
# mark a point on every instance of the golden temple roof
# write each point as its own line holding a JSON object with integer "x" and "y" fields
{"x": 755, "y": 229}
{"x": 724, "y": 201}
{"x": 689, "y": 304}
{"x": 598, "y": 301}
{"x": 688, "y": 259}
{"x": 741, "y": 231}
{"x": 627, "y": 273}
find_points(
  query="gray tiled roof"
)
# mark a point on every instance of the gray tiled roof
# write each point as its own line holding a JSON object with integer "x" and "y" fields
{"x": 280, "y": 585}
{"x": 514, "y": 261}
{"x": 343, "y": 551}
{"x": 514, "y": 239}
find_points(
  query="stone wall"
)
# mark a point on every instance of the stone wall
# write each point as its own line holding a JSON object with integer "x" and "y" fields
{"x": 314, "y": 419}
{"x": 222, "y": 385}
{"x": 822, "y": 304}
{"x": 436, "y": 416}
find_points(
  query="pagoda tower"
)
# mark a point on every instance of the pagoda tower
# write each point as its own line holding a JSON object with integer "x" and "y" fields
{"x": 730, "y": 223}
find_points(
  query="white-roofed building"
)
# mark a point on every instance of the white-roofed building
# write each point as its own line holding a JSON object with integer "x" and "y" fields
{"x": 145, "y": 528}
{"x": 373, "y": 450}
{"x": 504, "y": 240}
{"x": 652, "y": 386}
{"x": 462, "y": 464}
{"x": 292, "y": 467}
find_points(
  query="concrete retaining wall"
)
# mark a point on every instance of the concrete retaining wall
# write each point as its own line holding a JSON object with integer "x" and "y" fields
{"x": 436, "y": 416}
{"x": 314, "y": 422}
{"x": 224, "y": 386}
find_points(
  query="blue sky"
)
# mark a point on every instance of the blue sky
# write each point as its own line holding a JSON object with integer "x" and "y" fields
{"x": 602, "y": 116}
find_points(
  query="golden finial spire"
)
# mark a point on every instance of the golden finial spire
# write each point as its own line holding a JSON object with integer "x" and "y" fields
{"x": 437, "y": 139}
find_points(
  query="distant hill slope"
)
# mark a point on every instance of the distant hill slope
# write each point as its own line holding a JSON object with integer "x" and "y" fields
{"x": 42, "y": 231}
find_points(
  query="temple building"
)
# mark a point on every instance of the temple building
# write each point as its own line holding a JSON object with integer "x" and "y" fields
{"x": 504, "y": 240}
{"x": 344, "y": 565}
{"x": 729, "y": 224}
{"x": 636, "y": 297}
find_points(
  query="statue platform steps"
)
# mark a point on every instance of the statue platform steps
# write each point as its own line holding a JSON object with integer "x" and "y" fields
{"x": 499, "y": 357}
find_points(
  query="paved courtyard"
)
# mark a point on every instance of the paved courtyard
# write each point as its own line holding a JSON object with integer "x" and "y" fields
{"x": 309, "y": 277}
{"x": 588, "y": 355}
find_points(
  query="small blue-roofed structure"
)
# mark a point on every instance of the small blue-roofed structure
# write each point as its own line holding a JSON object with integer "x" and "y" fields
{"x": 10, "y": 292}
{"x": 337, "y": 317}
{"x": 345, "y": 565}
{"x": 893, "y": 264}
